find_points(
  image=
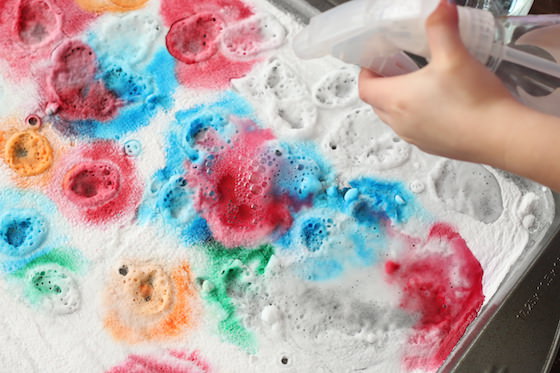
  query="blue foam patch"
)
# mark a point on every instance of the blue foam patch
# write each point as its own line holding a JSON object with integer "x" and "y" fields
{"x": 169, "y": 198}
{"x": 28, "y": 228}
{"x": 302, "y": 171}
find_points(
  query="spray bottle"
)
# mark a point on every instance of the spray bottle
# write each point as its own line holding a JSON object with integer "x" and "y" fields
{"x": 522, "y": 51}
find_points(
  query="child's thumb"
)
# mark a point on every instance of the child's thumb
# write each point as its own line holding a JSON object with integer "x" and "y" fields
{"x": 442, "y": 28}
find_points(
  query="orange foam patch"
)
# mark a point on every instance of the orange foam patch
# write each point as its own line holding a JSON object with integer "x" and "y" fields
{"x": 28, "y": 153}
{"x": 145, "y": 302}
{"x": 110, "y": 5}
{"x": 39, "y": 150}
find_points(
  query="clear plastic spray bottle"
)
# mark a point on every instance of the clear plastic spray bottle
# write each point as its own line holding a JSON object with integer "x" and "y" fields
{"x": 523, "y": 51}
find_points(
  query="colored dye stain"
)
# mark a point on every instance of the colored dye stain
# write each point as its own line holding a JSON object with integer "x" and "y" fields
{"x": 383, "y": 200}
{"x": 170, "y": 361}
{"x": 193, "y": 39}
{"x": 74, "y": 88}
{"x": 441, "y": 281}
{"x": 194, "y": 36}
{"x": 30, "y": 29}
{"x": 313, "y": 233}
{"x": 91, "y": 184}
{"x": 145, "y": 301}
{"x": 68, "y": 259}
{"x": 21, "y": 232}
{"x": 37, "y": 22}
{"x": 29, "y": 229}
{"x": 140, "y": 94}
{"x": 110, "y": 5}
{"x": 171, "y": 198}
{"x": 96, "y": 183}
{"x": 234, "y": 191}
{"x": 53, "y": 289}
{"x": 230, "y": 272}
{"x": 28, "y": 153}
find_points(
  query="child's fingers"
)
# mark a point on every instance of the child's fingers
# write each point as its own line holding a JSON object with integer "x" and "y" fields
{"x": 442, "y": 28}
{"x": 373, "y": 88}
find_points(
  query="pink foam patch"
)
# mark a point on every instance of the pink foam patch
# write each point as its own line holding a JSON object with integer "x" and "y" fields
{"x": 441, "y": 281}
{"x": 234, "y": 191}
{"x": 96, "y": 184}
{"x": 31, "y": 29}
{"x": 193, "y": 40}
{"x": 168, "y": 362}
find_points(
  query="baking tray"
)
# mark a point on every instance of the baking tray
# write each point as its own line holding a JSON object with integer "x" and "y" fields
{"x": 517, "y": 329}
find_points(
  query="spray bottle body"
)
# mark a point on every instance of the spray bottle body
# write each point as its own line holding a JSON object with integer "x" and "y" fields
{"x": 538, "y": 36}
{"x": 376, "y": 33}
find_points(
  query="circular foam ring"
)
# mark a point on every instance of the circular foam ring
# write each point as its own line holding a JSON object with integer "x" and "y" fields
{"x": 146, "y": 288}
{"x": 55, "y": 289}
{"x": 33, "y": 121}
{"x": 21, "y": 232}
{"x": 28, "y": 153}
{"x": 132, "y": 148}
{"x": 91, "y": 184}
{"x": 194, "y": 39}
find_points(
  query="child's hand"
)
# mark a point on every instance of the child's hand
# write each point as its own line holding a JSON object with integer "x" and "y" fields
{"x": 451, "y": 106}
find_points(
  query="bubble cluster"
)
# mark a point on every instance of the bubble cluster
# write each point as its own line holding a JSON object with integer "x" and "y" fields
{"x": 337, "y": 89}
{"x": 146, "y": 301}
{"x": 96, "y": 183}
{"x": 363, "y": 140}
{"x": 234, "y": 191}
{"x": 196, "y": 28}
{"x": 21, "y": 232}
{"x": 28, "y": 153}
{"x": 53, "y": 288}
{"x": 286, "y": 99}
{"x": 250, "y": 37}
{"x": 194, "y": 39}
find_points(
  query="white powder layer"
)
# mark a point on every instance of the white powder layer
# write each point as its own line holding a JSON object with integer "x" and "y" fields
{"x": 351, "y": 323}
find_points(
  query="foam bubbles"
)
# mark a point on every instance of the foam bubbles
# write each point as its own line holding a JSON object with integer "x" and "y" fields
{"x": 129, "y": 38}
{"x": 28, "y": 153}
{"x": 469, "y": 189}
{"x": 148, "y": 301}
{"x": 54, "y": 288}
{"x": 250, "y": 37}
{"x": 362, "y": 139}
{"x": 132, "y": 148}
{"x": 293, "y": 119}
{"x": 21, "y": 232}
{"x": 337, "y": 89}
{"x": 194, "y": 39}
{"x": 91, "y": 184}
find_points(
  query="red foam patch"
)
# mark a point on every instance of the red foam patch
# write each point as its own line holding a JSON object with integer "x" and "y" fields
{"x": 173, "y": 361}
{"x": 234, "y": 191}
{"x": 204, "y": 65}
{"x": 31, "y": 29}
{"x": 441, "y": 281}
{"x": 96, "y": 184}
{"x": 73, "y": 87}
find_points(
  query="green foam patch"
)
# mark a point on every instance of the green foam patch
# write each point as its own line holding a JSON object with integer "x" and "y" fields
{"x": 226, "y": 272}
